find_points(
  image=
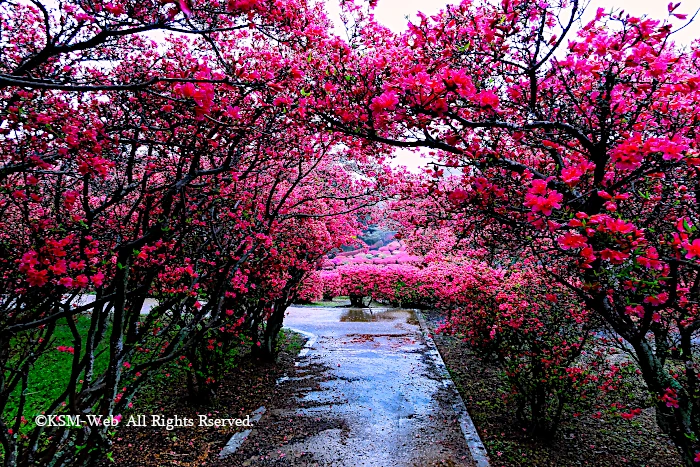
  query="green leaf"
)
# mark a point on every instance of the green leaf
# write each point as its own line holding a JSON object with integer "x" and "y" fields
{"x": 465, "y": 47}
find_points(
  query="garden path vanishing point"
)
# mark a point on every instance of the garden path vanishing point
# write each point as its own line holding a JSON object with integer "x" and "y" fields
{"x": 369, "y": 389}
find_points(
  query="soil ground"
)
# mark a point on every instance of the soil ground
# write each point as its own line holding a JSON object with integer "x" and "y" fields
{"x": 250, "y": 385}
{"x": 581, "y": 441}
{"x": 366, "y": 394}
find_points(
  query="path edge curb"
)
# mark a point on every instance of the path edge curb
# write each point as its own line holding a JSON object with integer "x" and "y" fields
{"x": 310, "y": 341}
{"x": 238, "y": 438}
{"x": 476, "y": 447}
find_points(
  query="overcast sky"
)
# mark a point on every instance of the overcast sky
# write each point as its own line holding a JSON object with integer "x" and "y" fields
{"x": 394, "y": 13}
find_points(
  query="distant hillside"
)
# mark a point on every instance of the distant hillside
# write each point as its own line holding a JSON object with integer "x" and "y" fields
{"x": 374, "y": 238}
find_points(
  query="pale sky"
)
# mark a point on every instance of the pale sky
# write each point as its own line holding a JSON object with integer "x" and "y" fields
{"x": 393, "y": 13}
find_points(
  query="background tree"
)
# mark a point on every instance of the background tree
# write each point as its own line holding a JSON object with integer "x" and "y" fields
{"x": 576, "y": 145}
{"x": 163, "y": 173}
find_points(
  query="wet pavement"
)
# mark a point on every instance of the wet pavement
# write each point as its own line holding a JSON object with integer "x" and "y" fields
{"x": 373, "y": 391}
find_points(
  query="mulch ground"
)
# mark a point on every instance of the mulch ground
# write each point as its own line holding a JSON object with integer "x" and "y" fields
{"x": 279, "y": 427}
{"x": 251, "y": 385}
{"x": 581, "y": 441}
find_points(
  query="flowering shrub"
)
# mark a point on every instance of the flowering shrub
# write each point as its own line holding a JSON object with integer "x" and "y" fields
{"x": 330, "y": 282}
{"x": 311, "y": 288}
{"x": 206, "y": 173}
{"x": 546, "y": 342}
{"x": 136, "y": 172}
{"x": 381, "y": 283}
{"x": 571, "y": 144}
{"x": 539, "y": 336}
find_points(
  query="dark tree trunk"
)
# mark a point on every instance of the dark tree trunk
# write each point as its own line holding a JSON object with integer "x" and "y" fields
{"x": 267, "y": 350}
{"x": 356, "y": 301}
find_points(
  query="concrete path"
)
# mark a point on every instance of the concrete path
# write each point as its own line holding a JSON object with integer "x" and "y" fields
{"x": 377, "y": 380}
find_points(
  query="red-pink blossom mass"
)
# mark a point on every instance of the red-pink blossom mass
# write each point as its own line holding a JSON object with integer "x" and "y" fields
{"x": 217, "y": 161}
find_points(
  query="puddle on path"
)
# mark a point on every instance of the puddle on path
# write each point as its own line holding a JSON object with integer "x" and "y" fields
{"x": 366, "y": 315}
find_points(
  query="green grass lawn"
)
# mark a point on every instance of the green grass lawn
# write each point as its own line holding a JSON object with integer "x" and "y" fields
{"x": 48, "y": 378}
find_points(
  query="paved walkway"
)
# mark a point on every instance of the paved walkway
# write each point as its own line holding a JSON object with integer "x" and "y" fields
{"x": 374, "y": 389}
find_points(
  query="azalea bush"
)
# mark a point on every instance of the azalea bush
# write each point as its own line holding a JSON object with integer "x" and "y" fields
{"x": 330, "y": 281}
{"x": 380, "y": 283}
{"x": 311, "y": 289}
{"x": 542, "y": 339}
{"x": 150, "y": 189}
{"x": 204, "y": 177}
{"x": 573, "y": 144}
{"x": 209, "y": 359}
{"x": 548, "y": 345}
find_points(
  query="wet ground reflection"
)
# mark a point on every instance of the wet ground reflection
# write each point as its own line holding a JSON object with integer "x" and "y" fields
{"x": 366, "y": 315}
